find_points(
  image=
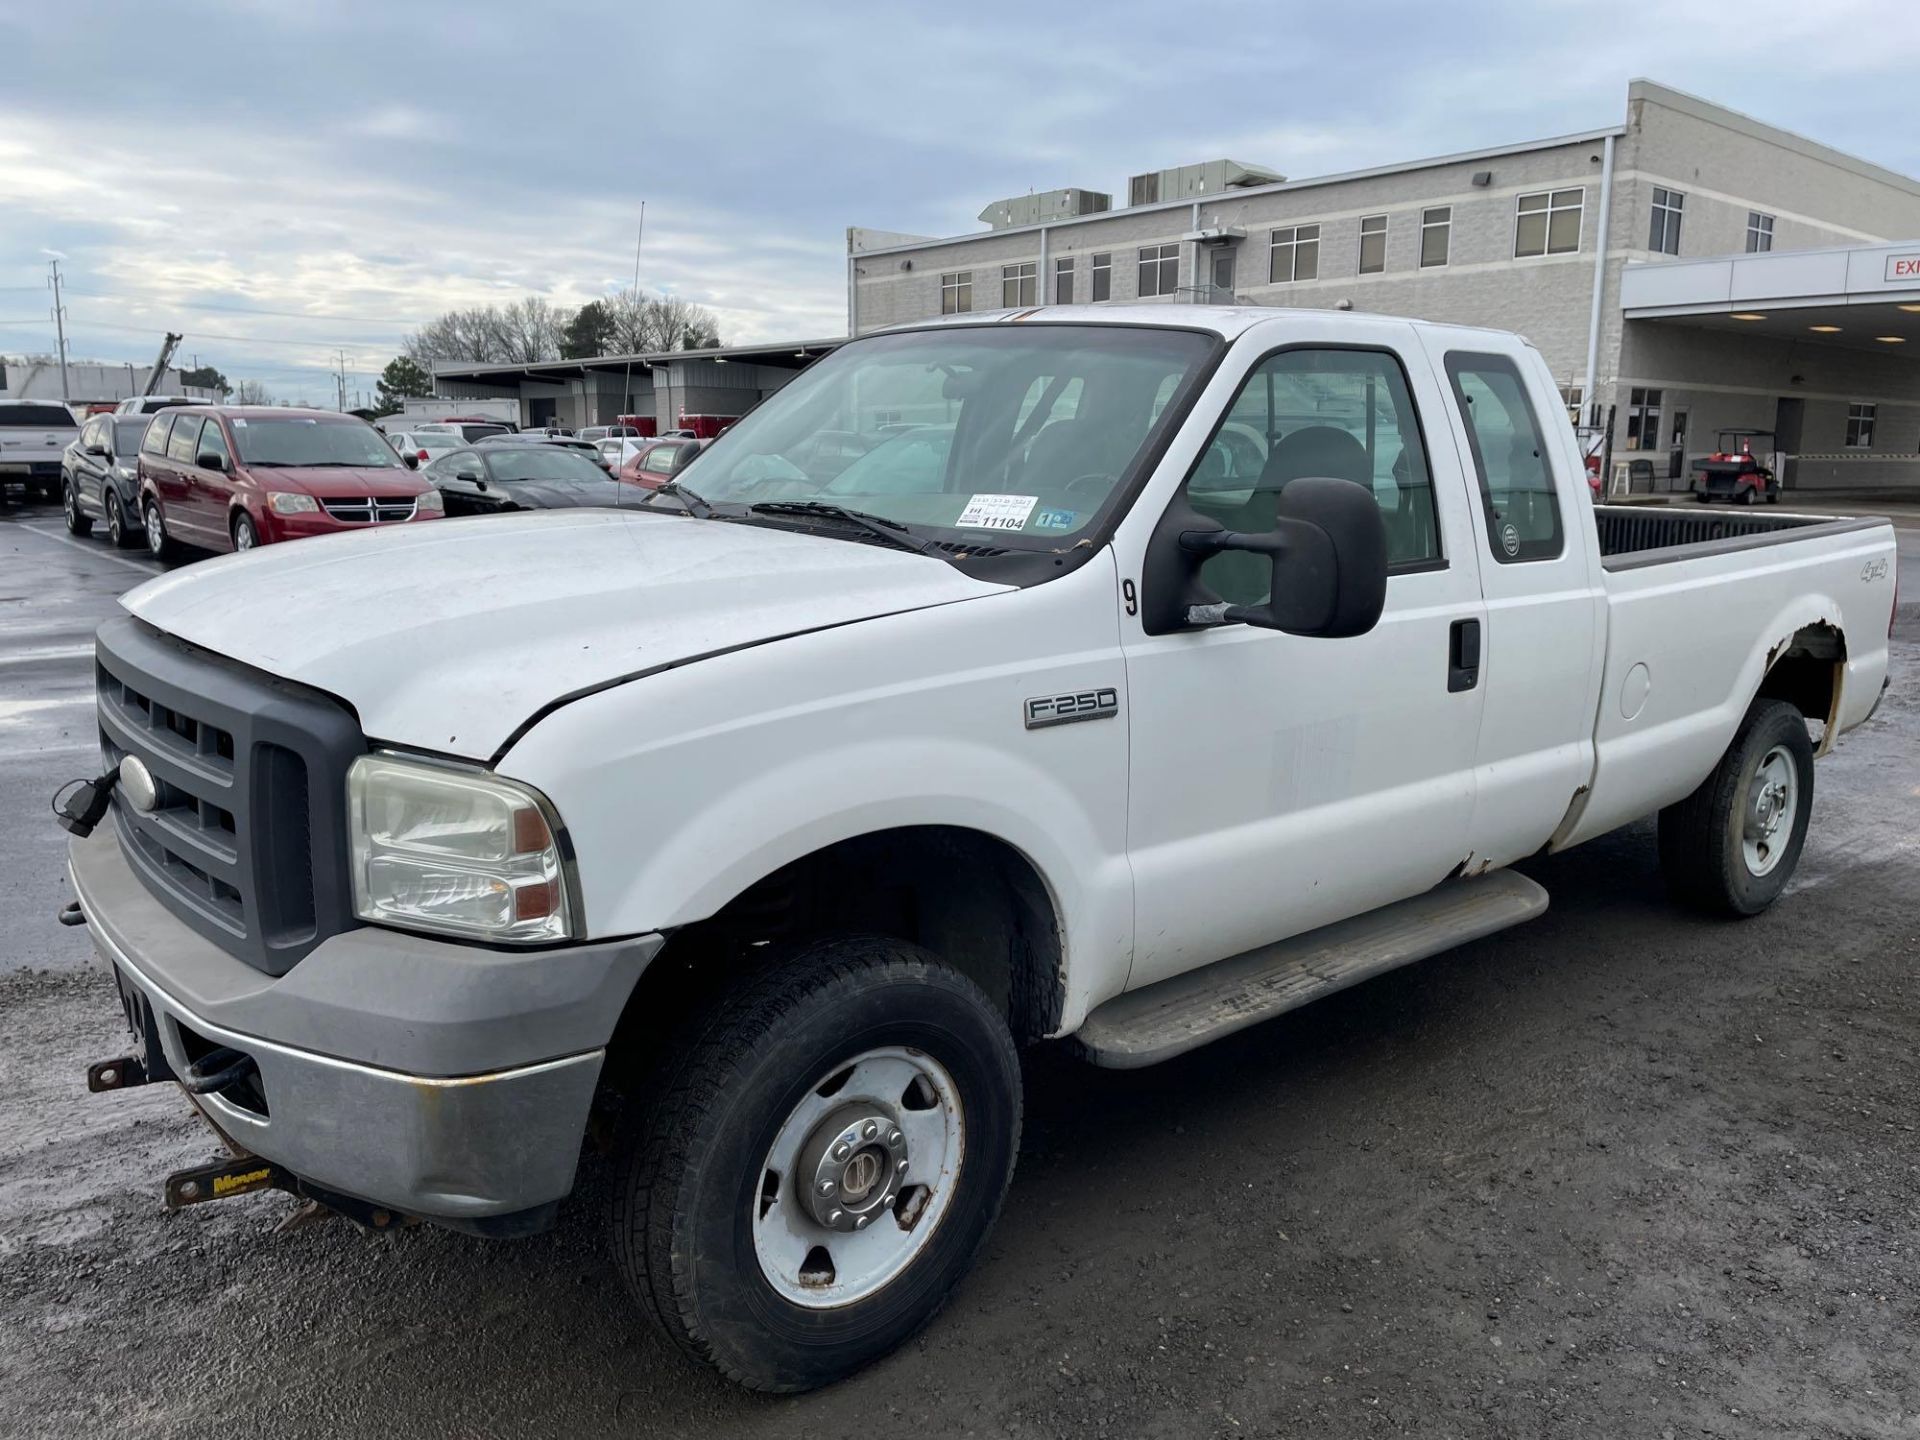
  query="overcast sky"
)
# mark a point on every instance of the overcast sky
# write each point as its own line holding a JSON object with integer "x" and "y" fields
{"x": 280, "y": 180}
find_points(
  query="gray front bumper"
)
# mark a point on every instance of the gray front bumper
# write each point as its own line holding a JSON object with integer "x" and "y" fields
{"x": 432, "y": 1078}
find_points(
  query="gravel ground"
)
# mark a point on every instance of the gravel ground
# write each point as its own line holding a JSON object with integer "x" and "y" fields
{"x": 1619, "y": 1172}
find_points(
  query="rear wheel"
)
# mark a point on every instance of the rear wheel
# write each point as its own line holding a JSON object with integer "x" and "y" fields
{"x": 77, "y": 523}
{"x": 1730, "y": 847}
{"x": 1749, "y": 494}
{"x": 159, "y": 543}
{"x": 821, "y": 1165}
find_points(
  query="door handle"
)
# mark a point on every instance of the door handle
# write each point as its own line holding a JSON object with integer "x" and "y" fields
{"x": 1463, "y": 655}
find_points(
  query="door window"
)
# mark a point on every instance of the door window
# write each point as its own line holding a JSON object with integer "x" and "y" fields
{"x": 186, "y": 435}
{"x": 1346, "y": 414}
{"x": 213, "y": 441}
{"x": 1509, "y": 457}
{"x": 154, "y": 442}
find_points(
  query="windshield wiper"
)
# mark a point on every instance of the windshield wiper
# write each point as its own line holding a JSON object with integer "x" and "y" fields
{"x": 891, "y": 531}
{"x": 697, "y": 505}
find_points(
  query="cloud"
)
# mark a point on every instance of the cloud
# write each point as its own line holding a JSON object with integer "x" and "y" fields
{"x": 358, "y": 167}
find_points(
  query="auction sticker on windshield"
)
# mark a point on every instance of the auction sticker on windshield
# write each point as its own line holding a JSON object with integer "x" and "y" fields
{"x": 998, "y": 512}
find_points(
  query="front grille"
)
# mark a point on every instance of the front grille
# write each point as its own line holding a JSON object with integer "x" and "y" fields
{"x": 369, "y": 509}
{"x": 245, "y": 840}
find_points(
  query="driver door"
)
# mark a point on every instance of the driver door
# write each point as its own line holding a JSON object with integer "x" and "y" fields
{"x": 1279, "y": 783}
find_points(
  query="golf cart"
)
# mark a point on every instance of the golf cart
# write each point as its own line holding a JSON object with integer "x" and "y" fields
{"x": 1734, "y": 471}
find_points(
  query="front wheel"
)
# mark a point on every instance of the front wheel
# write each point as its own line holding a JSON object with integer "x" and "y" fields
{"x": 244, "y": 536}
{"x": 117, "y": 527}
{"x": 820, "y": 1168}
{"x": 1730, "y": 847}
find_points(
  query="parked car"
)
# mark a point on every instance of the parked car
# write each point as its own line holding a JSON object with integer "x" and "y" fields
{"x": 657, "y": 461}
{"x": 100, "y": 477}
{"x": 758, "y": 834}
{"x": 33, "y": 435}
{"x": 465, "y": 432}
{"x": 609, "y": 432}
{"x": 233, "y": 477}
{"x": 490, "y": 479}
{"x": 153, "y": 404}
{"x": 425, "y": 445}
{"x": 584, "y": 448}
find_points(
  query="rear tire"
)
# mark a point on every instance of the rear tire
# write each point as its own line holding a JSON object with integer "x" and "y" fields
{"x": 1730, "y": 847}
{"x": 712, "y": 1220}
{"x": 77, "y": 523}
{"x": 159, "y": 543}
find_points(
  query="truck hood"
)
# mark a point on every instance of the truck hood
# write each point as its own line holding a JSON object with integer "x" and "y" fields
{"x": 450, "y": 637}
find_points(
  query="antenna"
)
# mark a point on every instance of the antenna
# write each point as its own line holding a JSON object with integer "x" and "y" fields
{"x": 639, "y": 236}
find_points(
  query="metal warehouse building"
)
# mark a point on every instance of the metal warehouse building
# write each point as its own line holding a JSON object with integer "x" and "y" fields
{"x": 1688, "y": 270}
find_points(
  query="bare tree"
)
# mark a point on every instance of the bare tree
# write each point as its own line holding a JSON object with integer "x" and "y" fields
{"x": 641, "y": 323}
{"x": 531, "y": 330}
{"x": 251, "y": 392}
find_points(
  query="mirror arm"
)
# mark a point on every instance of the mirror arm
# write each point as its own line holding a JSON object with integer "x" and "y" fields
{"x": 1202, "y": 544}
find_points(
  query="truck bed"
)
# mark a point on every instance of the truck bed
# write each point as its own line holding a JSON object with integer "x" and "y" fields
{"x": 1702, "y": 606}
{"x": 1636, "y": 535}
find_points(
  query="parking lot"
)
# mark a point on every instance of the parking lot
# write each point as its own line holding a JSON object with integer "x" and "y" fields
{"x": 1616, "y": 1172}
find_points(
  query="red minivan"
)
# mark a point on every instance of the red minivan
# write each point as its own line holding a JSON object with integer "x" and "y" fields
{"x": 230, "y": 477}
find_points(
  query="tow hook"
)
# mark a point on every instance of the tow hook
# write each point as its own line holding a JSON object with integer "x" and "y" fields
{"x": 121, "y": 1074}
{"x": 224, "y": 1178}
{"x": 216, "y": 1070}
{"x": 72, "y": 914}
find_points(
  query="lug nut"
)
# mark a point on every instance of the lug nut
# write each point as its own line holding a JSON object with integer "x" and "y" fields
{"x": 901, "y": 1167}
{"x": 861, "y": 1223}
{"x": 893, "y": 1137}
{"x": 834, "y": 1217}
{"x": 886, "y": 1201}
{"x": 842, "y": 1150}
{"x": 827, "y": 1187}
{"x": 872, "y": 1129}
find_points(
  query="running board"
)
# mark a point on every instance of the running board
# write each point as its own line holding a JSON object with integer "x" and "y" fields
{"x": 1169, "y": 1018}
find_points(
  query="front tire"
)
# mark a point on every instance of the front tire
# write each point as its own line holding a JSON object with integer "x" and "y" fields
{"x": 1730, "y": 847}
{"x": 117, "y": 529}
{"x": 244, "y": 535}
{"x": 819, "y": 1168}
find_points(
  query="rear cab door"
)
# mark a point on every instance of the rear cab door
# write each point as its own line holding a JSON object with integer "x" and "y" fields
{"x": 159, "y": 474}
{"x": 1278, "y": 783}
{"x": 1533, "y": 531}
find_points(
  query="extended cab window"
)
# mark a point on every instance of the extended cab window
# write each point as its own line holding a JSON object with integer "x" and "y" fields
{"x": 154, "y": 442}
{"x": 186, "y": 435}
{"x": 1509, "y": 457}
{"x": 1347, "y": 414}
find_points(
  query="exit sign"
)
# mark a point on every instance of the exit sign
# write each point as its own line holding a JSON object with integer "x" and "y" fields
{"x": 1904, "y": 268}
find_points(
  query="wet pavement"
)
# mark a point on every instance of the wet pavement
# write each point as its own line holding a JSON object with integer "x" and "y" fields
{"x": 1618, "y": 1172}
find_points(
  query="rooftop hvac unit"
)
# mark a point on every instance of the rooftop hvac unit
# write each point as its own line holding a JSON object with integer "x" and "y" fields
{"x": 1190, "y": 182}
{"x": 1045, "y": 206}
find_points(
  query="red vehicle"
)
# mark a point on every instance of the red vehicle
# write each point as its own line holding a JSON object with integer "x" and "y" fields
{"x": 706, "y": 427}
{"x": 1734, "y": 472}
{"x": 651, "y": 466}
{"x": 644, "y": 425}
{"x": 232, "y": 477}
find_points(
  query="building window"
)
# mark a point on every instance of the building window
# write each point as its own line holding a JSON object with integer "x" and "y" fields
{"x": 1759, "y": 233}
{"x": 1102, "y": 278}
{"x": 1643, "y": 419}
{"x": 1572, "y": 397}
{"x": 1063, "y": 280}
{"x": 1860, "y": 427}
{"x": 956, "y": 293}
{"x": 1436, "y": 234}
{"x": 1159, "y": 269}
{"x": 1294, "y": 254}
{"x": 1373, "y": 244}
{"x": 1548, "y": 223}
{"x": 1664, "y": 238}
{"x": 1017, "y": 285}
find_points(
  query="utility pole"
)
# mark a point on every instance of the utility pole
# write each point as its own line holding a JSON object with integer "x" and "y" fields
{"x": 60, "y": 330}
{"x": 340, "y": 378}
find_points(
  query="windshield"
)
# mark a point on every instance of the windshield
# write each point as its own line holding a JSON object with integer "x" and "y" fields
{"x": 541, "y": 462}
{"x": 1015, "y": 430}
{"x": 301, "y": 440}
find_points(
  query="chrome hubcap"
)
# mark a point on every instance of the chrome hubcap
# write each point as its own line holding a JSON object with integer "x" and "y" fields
{"x": 858, "y": 1178}
{"x": 243, "y": 537}
{"x": 156, "y": 529}
{"x": 1773, "y": 796}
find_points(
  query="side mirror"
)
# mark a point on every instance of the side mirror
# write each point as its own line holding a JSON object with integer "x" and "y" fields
{"x": 410, "y": 460}
{"x": 208, "y": 460}
{"x": 471, "y": 478}
{"x": 96, "y": 450}
{"x": 1328, "y": 552}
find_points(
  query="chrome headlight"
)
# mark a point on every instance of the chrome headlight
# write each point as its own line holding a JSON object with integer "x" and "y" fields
{"x": 463, "y": 852}
{"x": 287, "y": 502}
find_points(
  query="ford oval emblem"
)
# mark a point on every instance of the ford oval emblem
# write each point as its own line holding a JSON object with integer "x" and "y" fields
{"x": 137, "y": 783}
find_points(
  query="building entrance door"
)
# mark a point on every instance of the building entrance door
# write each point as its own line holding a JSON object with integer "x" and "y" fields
{"x": 1677, "y": 447}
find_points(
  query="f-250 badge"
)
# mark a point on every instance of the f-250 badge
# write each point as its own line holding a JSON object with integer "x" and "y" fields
{"x": 1044, "y": 710}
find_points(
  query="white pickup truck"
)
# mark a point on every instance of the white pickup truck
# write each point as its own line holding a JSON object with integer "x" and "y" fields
{"x": 1152, "y": 671}
{"x": 34, "y": 435}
